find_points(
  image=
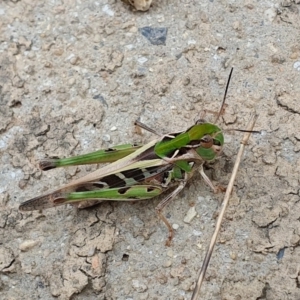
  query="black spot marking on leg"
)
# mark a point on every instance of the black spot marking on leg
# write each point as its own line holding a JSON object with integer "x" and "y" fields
{"x": 122, "y": 191}
{"x": 110, "y": 150}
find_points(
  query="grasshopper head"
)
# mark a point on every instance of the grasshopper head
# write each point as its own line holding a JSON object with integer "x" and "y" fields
{"x": 211, "y": 144}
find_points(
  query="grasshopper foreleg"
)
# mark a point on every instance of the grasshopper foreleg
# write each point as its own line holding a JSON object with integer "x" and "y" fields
{"x": 206, "y": 179}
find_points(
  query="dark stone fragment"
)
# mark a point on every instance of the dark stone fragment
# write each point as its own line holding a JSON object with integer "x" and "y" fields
{"x": 155, "y": 35}
{"x": 101, "y": 99}
{"x": 280, "y": 253}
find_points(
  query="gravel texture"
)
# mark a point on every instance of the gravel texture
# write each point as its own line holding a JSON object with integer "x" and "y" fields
{"x": 75, "y": 75}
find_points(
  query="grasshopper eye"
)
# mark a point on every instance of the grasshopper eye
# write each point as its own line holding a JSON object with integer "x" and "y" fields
{"x": 206, "y": 141}
{"x": 217, "y": 146}
{"x": 217, "y": 142}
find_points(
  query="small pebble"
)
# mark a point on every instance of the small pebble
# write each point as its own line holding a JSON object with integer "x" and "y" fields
{"x": 201, "y": 199}
{"x": 106, "y": 9}
{"x": 233, "y": 255}
{"x": 294, "y": 55}
{"x": 221, "y": 82}
{"x": 31, "y": 55}
{"x": 197, "y": 232}
{"x": 191, "y": 214}
{"x": 237, "y": 25}
{"x": 167, "y": 263}
{"x": 27, "y": 245}
{"x": 106, "y": 138}
{"x": 71, "y": 81}
{"x": 58, "y": 51}
{"x": 297, "y": 65}
{"x": 142, "y": 60}
{"x": 175, "y": 226}
{"x": 74, "y": 60}
{"x": 114, "y": 128}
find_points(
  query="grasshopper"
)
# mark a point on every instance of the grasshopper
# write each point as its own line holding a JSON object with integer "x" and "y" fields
{"x": 138, "y": 172}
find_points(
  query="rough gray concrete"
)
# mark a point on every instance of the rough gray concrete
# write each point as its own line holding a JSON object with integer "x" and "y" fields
{"x": 75, "y": 75}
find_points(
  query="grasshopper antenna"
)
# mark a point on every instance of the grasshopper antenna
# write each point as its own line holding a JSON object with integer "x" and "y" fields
{"x": 144, "y": 126}
{"x": 242, "y": 130}
{"x": 224, "y": 98}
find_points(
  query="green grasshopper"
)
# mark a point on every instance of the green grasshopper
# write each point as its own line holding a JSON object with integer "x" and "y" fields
{"x": 138, "y": 172}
